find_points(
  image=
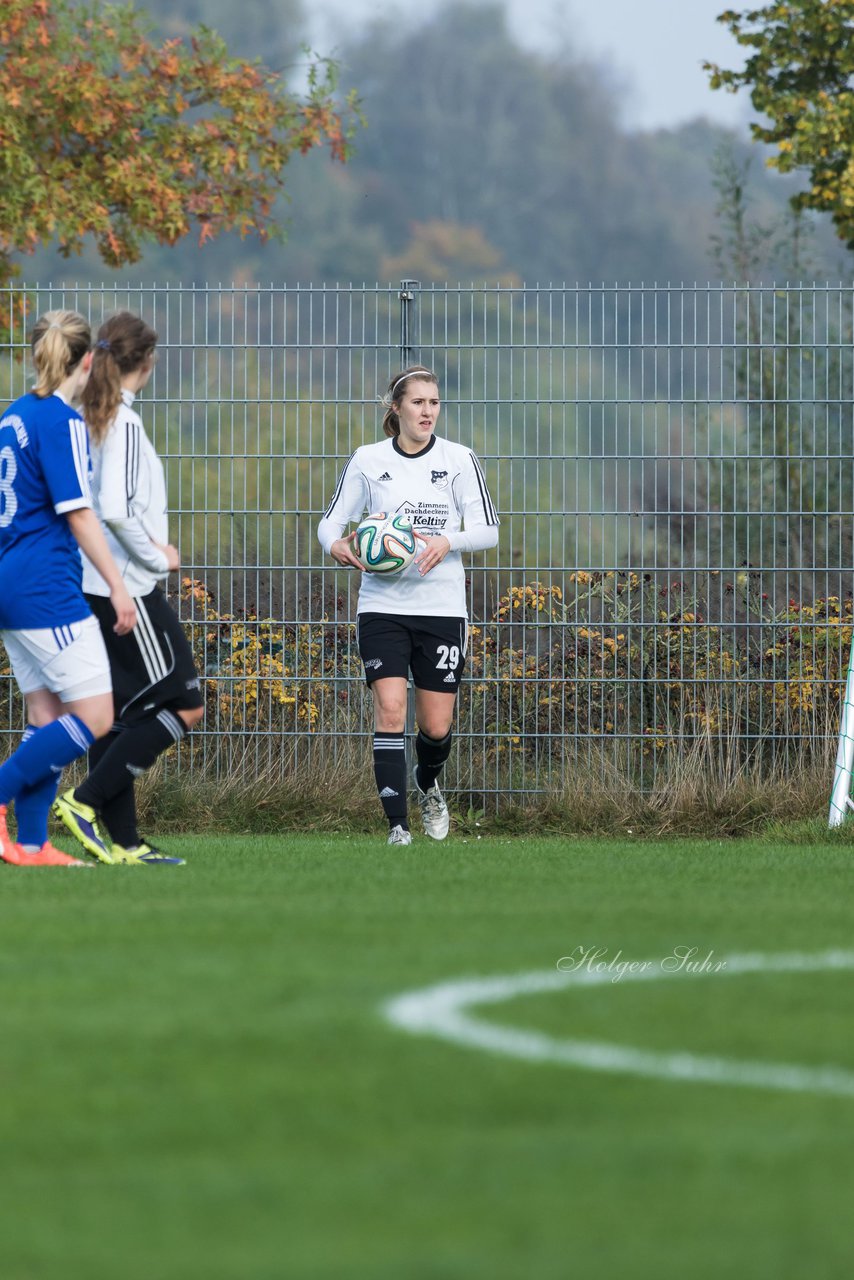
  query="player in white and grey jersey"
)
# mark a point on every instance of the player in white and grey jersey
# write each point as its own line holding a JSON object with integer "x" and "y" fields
{"x": 155, "y": 682}
{"x": 416, "y": 620}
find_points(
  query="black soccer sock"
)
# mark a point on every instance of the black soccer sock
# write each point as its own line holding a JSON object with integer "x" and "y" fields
{"x": 119, "y": 817}
{"x": 431, "y": 754}
{"x": 131, "y": 752}
{"x": 390, "y": 773}
{"x": 118, "y": 813}
{"x": 100, "y": 747}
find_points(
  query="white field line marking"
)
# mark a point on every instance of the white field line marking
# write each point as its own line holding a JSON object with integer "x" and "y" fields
{"x": 443, "y": 1011}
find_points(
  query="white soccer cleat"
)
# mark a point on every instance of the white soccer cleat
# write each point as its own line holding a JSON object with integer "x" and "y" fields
{"x": 399, "y": 835}
{"x": 434, "y": 812}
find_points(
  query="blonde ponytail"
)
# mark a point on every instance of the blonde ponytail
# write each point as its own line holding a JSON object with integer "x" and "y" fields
{"x": 59, "y": 341}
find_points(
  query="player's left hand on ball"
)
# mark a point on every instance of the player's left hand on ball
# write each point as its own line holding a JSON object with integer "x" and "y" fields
{"x": 435, "y": 550}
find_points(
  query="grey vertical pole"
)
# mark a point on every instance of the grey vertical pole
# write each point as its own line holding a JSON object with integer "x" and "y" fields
{"x": 410, "y": 337}
{"x": 840, "y": 796}
{"x": 409, "y": 342}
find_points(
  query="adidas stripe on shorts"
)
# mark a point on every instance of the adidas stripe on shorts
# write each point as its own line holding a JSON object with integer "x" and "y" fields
{"x": 71, "y": 660}
{"x": 152, "y": 666}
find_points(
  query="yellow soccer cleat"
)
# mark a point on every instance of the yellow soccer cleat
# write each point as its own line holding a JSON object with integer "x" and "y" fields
{"x": 144, "y": 855}
{"x": 82, "y": 822}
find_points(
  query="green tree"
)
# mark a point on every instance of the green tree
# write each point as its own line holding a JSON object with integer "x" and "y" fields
{"x": 490, "y": 136}
{"x": 104, "y": 133}
{"x": 528, "y": 148}
{"x": 799, "y": 75}
{"x": 771, "y": 464}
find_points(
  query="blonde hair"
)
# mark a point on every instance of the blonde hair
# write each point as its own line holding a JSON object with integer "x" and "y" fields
{"x": 125, "y": 343}
{"x": 59, "y": 341}
{"x": 396, "y": 388}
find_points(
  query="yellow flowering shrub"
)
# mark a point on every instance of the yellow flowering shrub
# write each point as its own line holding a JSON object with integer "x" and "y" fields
{"x": 622, "y": 655}
{"x": 616, "y": 656}
{"x": 632, "y": 656}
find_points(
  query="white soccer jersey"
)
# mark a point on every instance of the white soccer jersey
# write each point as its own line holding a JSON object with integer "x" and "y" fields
{"x": 443, "y": 491}
{"x": 129, "y": 490}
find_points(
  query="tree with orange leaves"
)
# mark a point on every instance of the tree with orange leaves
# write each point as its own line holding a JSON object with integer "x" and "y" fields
{"x": 104, "y": 133}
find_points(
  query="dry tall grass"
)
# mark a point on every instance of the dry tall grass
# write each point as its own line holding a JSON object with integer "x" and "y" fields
{"x": 706, "y": 791}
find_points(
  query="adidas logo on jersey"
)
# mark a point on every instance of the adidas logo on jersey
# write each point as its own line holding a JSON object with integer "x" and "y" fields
{"x": 450, "y": 678}
{"x": 385, "y": 476}
{"x": 387, "y": 793}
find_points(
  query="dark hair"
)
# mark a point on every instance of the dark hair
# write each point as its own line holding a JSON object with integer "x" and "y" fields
{"x": 396, "y": 388}
{"x": 124, "y": 344}
{"x": 59, "y": 341}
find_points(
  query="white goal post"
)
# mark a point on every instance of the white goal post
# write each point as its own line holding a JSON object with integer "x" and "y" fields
{"x": 840, "y": 797}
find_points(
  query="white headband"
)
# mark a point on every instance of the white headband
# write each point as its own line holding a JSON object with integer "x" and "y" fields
{"x": 415, "y": 373}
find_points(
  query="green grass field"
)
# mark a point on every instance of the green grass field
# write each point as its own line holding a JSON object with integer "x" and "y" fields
{"x": 199, "y": 1083}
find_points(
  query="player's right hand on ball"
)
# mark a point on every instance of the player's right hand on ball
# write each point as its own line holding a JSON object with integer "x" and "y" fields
{"x": 341, "y": 552}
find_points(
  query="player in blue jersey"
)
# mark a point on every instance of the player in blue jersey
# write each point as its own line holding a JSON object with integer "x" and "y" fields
{"x": 416, "y": 621}
{"x": 54, "y": 643}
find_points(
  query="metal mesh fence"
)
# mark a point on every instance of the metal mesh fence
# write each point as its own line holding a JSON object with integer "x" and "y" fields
{"x": 674, "y": 471}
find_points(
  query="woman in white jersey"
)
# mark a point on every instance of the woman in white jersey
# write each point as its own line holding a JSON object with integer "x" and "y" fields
{"x": 155, "y": 683}
{"x": 414, "y": 621}
{"x": 53, "y": 642}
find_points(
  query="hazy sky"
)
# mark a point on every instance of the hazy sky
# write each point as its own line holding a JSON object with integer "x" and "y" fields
{"x": 654, "y": 47}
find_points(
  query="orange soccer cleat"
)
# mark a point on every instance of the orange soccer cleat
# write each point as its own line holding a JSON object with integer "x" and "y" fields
{"x": 46, "y": 856}
{"x": 7, "y": 848}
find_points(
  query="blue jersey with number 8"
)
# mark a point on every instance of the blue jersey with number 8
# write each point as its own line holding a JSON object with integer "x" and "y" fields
{"x": 44, "y": 473}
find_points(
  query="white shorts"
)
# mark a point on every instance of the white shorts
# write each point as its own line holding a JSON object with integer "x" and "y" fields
{"x": 70, "y": 661}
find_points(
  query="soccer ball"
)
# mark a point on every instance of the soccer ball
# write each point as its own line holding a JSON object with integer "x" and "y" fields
{"x": 384, "y": 543}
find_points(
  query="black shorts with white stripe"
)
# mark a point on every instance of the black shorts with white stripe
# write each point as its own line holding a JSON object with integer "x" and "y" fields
{"x": 152, "y": 666}
{"x": 433, "y": 649}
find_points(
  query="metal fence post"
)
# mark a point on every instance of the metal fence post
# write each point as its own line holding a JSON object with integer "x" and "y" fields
{"x": 409, "y": 341}
{"x": 409, "y": 321}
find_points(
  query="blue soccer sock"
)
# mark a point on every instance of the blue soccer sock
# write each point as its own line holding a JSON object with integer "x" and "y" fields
{"x": 46, "y": 752}
{"x": 32, "y": 805}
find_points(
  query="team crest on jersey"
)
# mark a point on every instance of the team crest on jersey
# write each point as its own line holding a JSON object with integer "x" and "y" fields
{"x": 439, "y": 479}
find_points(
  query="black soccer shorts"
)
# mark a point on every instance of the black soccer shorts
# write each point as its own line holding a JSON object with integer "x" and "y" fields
{"x": 152, "y": 666}
{"x": 432, "y": 649}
